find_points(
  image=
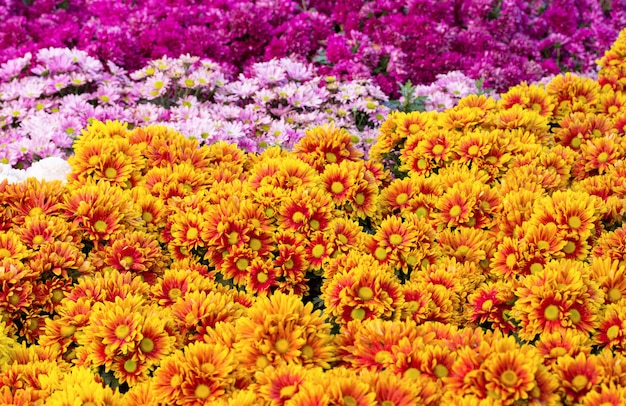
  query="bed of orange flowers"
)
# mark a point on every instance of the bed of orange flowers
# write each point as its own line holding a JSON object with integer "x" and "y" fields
{"x": 477, "y": 258}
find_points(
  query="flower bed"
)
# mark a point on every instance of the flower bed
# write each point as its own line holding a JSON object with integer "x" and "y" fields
{"x": 477, "y": 256}
{"x": 388, "y": 41}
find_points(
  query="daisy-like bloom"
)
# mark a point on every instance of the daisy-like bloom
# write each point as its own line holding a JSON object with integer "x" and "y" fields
{"x": 490, "y": 305}
{"x": 338, "y": 181}
{"x": 467, "y": 244}
{"x": 130, "y": 370}
{"x": 412, "y": 122}
{"x": 34, "y": 197}
{"x": 475, "y": 147}
{"x": 310, "y": 393}
{"x": 263, "y": 276}
{"x": 80, "y": 386}
{"x": 279, "y": 384}
{"x": 390, "y": 389}
{"x": 416, "y": 302}
{"x": 16, "y": 283}
{"x": 185, "y": 230}
{"x": 281, "y": 329}
{"x": 177, "y": 281}
{"x": 326, "y": 145}
{"x": 575, "y": 129}
{"x": 577, "y": 376}
{"x": 574, "y": 213}
{"x": 319, "y": 250}
{"x": 605, "y": 395}
{"x": 344, "y": 388}
{"x": 398, "y": 195}
{"x": 461, "y": 118}
{"x": 362, "y": 293}
{"x": 60, "y": 331}
{"x": 344, "y": 235}
{"x": 393, "y": 240}
{"x": 40, "y": 230}
{"x": 531, "y": 97}
{"x": 152, "y": 209}
{"x": 236, "y": 265}
{"x": 612, "y": 245}
{"x": 438, "y": 146}
{"x": 156, "y": 341}
{"x": 202, "y": 373}
{"x": 455, "y": 206}
{"x": 306, "y": 210}
{"x": 611, "y": 331}
{"x": 611, "y": 103}
{"x": 573, "y": 93}
{"x": 544, "y": 240}
{"x": 560, "y": 296}
{"x": 11, "y": 247}
{"x": 552, "y": 346}
{"x": 389, "y": 139}
{"x": 510, "y": 376}
{"x": 517, "y": 118}
{"x": 598, "y": 155}
{"x": 290, "y": 261}
{"x": 196, "y": 312}
{"x": 369, "y": 344}
{"x": 60, "y": 259}
{"x": 137, "y": 252}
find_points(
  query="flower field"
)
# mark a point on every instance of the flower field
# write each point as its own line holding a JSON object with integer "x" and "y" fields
{"x": 291, "y": 235}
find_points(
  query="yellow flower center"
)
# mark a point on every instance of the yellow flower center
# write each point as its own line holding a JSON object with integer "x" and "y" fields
{"x": 255, "y": 244}
{"x": 387, "y": 403}
{"x": 440, "y": 371}
{"x": 487, "y": 305}
{"x": 330, "y": 157}
{"x": 421, "y": 212}
{"x": 576, "y": 142}
{"x": 402, "y": 198}
{"x": 411, "y": 260}
{"x": 269, "y": 212}
{"x": 110, "y": 173}
{"x": 511, "y": 260}
{"x": 603, "y": 157}
{"x": 508, "y": 378}
{"x": 536, "y": 107}
{"x": 315, "y": 224}
{"x": 366, "y": 293}
{"x": 38, "y": 239}
{"x": 395, "y": 239}
{"x": 174, "y": 294}
{"x": 127, "y": 261}
{"x": 100, "y": 226}
{"x": 57, "y": 295}
{"x": 147, "y": 217}
{"x": 574, "y": 222}
{"x": 551, "y": 313}
{"x": 146, "y": 344}
{"x": 189, "y": 82}
{"x": 438, "y": 149}
{"x": 412, "y": 373}
{"x": 473, "y": 150}
{"x": 575, "y": 316}
{"x": 67, "y": 331}
{"x": 536, "y": 267}
{"x": 262, "y": 362}
{"x": 422, "y": 164}
{"x": 337, "y": 188}
{"x": 130, "y": 366}
{"x": 569, "y": 247}
{"x": 492, "y": 159}
{"x": 35, "y": 211}
{"x": 262, "y": 277}
{"x": 579, "y": 382}
{"x": 359, "y": 199}
{"x": 612, "y": 332}
{"x": 413, "y": 128}
{"x": 307, "y": 351}
{"x": 318, "y": 250}
{"x": 202, "y": 391}
{"x": 122, "y": 331}
{"x": 282, "y": 346}
{"x": 455, "y": 211}
{"x": 192, "y": 233}
{"x": 350, "y": 401}
{"x": 614, "y": 295}
{"x": 298, "y": 217}
{"x": 14, "y": 298}
{"x": 613, "y": 109}
{"x": 342, "y": 238}
{"x": 544, "y": 245}
{"x": 380, "y": 254}
{"x": 289, "y": 264}
{"x": 357, "y": 314}
{"x": 242, "y": 264}
{"x": 383, "y": 356}
{"x": 233, "y": 238}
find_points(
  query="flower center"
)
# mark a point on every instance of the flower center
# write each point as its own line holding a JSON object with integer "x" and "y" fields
{"x": 380, "y": 254}
{"x": 544, "y": 245}
{"x": 110, "y": 173}
{"x": 174, "y": 294}
{"x": 412, "y": 373}
{"x": 269, "y": 212}
{"x": 242, "y": 264}
{"x": 57, "y": 295}
{"x": 337, "y": 188}
{"x": 100, "y": 226}
{"x": 298, "y": 217}
{"x": 455, "y": 211}
{"x": 202, "y": 391}
{"x": 38, "y": 239}
{"x": 508, "y": 378}
{"x": 487, "y": 305}
{"x": 262, "y": 362}
{"x": 318, "y": 250}
{"x": 35, "y": 211}
{"x": 342, "y": 238}
{"x": 603, "y": 157}
{"x": 67, "y": 331}
{"x": 421, "y": 212}
{"x": 395, "y": 239}
{"x": 233, "y": 238}
{"x": 612, "y": 332}
{"x": 330, "y": 157}
{"x": 574, "y": 222}
{"x": 413, "y": 128}
{"x": 422, "y": 164}
{"x": 349, "y": 401}
{"x": 307, "y": 351}
{"x": 473, "y": 150}
{"x": 440, "y": 371}
{"x": 575, "y": 316}
{"x": 147, "y": 217}
{"x": 366, "y": 293}
{"x": 569, "y": 247}
{"x": 146, "y": 344}
{"x": 357, "y": 314}
{"x": 511, "y": 260}
{"x": 282, "y": 346}
{"x": 551, "y": 313}
{"x": 438, "y": 149}
{"x": 536, "y": 267}
{"x": 262, "y": 277}
{"x": 359, "y": 199}
{"x": 192, "y": 233}
{"x": 122, "y": 331}
{"x": 614, "y": 295}
{"x": 579, "y": 382}
{"x": 402, "y": 198}
{"x": 576, "y": 142}
{"x": 315, "y": 224}
{"x": 255, "y": 244}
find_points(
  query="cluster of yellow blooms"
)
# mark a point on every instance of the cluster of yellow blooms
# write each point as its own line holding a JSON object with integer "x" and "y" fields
{"x": 477, "y": 258}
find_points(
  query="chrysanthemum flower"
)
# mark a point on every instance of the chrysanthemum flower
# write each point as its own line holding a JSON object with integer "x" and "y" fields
{"x": 61, "y": 259}
{"x": 517, "y": 208}
{"x": 34, "y": 197}
{"x": 510, "y": 376}
{"x": 200, "y": 374}
{"x": 577, "y": 376}
{"x": 598, "y": 155}
{"x": 392, "y": 389}
{"x": 196, "y": 312}
{"x": 310, "y": 393}
{"x": 531, "y": 97}
{"x": 326, "y": 145}
{"x": 518, "y": 118}
{"x": 281, "y": 329}
{"x": 338, "y": 182}
{"x": 263, "y": 276}
{"x": 573, "y": 93}
{"x": 605, "y": 395}
{"x": 344, "y": 235}
{"x": 393, "y": 240}
{"x": 611, "y": 331}
{"x": 276, "y": 385}
{"x": 455, "y": 207}
{"x": 11, "y": 247}
{"x": 552, "y": 346}
{"x": 461, "y": 118}
{"x": 306, "y": 210}
{"x": 81, "y": 386}
{"x": 344, "y": 388}
{"x": 611, "y": 276}
{"x": 466, "y": 244}
{"x": 185, "y": 229}
{"x": 491, "y": 304}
